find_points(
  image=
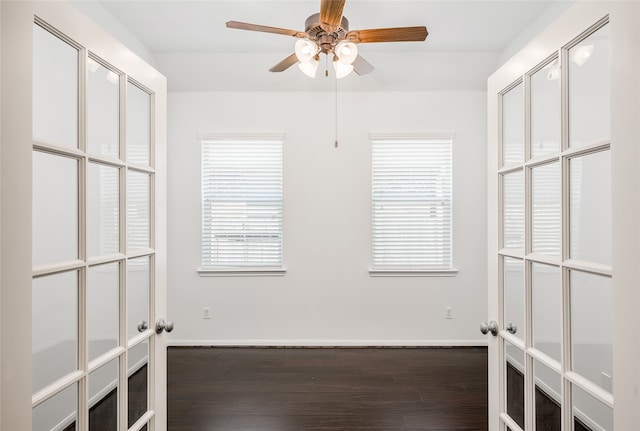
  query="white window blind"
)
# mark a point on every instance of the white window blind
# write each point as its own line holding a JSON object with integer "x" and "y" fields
{"x": 411, "y": 204}
{"x": 241, "y": 203}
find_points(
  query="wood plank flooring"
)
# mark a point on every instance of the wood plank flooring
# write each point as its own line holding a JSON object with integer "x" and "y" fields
{"x": 298, "y": 389}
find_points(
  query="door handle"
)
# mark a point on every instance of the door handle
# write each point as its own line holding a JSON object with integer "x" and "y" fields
{"x": 143, "y": 326}
{"x": 492, "y": 327}
{"x": 161, "y": 325}
{"x": 512, "y": 328}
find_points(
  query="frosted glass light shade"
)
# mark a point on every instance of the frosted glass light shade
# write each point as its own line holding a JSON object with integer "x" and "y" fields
{"x": 310, "y": 67}
{"x": 346, "y": 52}
{"x": 342, "y": 70}
{"x": 306, "y": 50}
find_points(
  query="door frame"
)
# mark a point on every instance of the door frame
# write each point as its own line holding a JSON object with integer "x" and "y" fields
{"x": 16, "y": 206}
{"x": 624, "y": 20}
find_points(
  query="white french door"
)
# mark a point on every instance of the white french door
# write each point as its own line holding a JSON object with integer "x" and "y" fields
{"x": 86, "y": 213}
{"x": 562, "y": 250}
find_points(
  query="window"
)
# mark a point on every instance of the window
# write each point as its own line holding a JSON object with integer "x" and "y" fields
{"x": 242, "y": 204}
{"x": 411, "y": 205}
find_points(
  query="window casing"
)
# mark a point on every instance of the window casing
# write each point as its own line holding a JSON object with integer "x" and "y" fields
{"x": 242, "y": 224}
{"x": 411, "y": 205}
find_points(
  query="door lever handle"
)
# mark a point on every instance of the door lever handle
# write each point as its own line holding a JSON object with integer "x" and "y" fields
{"x": 492, "y": 327}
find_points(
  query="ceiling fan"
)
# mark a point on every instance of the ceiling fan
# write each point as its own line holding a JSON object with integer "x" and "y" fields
{"x": 328, "y": 32}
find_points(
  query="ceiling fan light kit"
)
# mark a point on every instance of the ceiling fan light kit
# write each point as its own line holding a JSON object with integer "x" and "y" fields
{"x": 306, "y": 50}
{"x": 310, "y": 67}
{"x": 328, "y": 32}
{"x": 346, "y": 52}
{"x": 341, "y": 69}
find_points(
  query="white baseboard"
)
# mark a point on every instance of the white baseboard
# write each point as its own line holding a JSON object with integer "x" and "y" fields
{"x": 329, "y": 343}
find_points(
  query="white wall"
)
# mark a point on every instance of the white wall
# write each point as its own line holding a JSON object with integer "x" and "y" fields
{"x": 552, "y": 13}
{"x": 101, "y": 16}
{"x": 327, "y": 296}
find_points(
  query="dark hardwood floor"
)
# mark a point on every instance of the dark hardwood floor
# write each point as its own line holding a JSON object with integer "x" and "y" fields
{"x": 296, "y": 389}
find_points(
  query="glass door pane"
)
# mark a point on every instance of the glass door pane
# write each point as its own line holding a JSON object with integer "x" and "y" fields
{"x": 138, "y": 377}
{"x": 545, "y": 110}
{"x": 58, "y": 412}
{"x": 103, "y": 110}
{"x": 138, "y": 125}
{"x": 589, "y": 90}
{"x": 514, "y": 391}
{"x": 590, "y": 211}
{"x": 138, "y": 207}
{"x": 592, "y": 327}
{"x": 513, "y": 126}
{"x": 103, "y": 210}
{"x": 137, "y": 296}
{"x": 513, "y": 210}
{"x": 589, "y": 413}
{"x": 103, "y": 397}
{"x": 547, "y": 309}
{"x": 546, "y": 207}
{"x": 514, "y": 294}
{"x": 54, "y": 327}
{"x": 548, "y": 398}
{"x": 55, "y": 208}
{"x": 103, "y": 308}
{"x": 55, "y": 90}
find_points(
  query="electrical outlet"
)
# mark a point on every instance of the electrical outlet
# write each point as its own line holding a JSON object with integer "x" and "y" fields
{"x": 448, "y": 312}
{"x": 206, "y": 312}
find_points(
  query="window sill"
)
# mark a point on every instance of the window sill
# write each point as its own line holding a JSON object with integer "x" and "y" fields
{"x": 242, "y": 272}
{"x": 405, "y": 272}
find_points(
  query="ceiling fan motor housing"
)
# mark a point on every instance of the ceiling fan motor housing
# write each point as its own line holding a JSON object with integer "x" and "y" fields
{"x": 325, "y": 40}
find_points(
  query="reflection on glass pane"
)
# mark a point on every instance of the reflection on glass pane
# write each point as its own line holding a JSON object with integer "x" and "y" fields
{"x": 103, "y": 284}
{"x": 103, "y": 110}
{"x": 513, "y": 126}
{"x": 137, "y": 372}
{"x": 546, "y": 220}
{"x": 589, "y": 413}
{"x": 545, "y": 110}
{"x": 58, "y": 412}
{"x": 590, "y": 215}
{"x": 55, "y": 90}
{"x": 592, "y": 327}
{"x": 54, "y": 327}
{"x": 103, "y": 397}
{"x": 137, "y": 294}
{"x": 547, "y": 305}
{"x": 589, "y": 90}
{"x": 103, "y": 213}
{"x": 55, "y": 208}
{"x": 515, "y": 383}
{"x": 137, "y": 210}
{"x": 548, "y": 399}
{"x": 513, "y": 195}
{"x": 138, "y": 125}
{"x": 514, "y": 294}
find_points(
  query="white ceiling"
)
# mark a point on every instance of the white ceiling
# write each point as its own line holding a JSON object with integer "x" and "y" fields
{"x": 196, "y": 52}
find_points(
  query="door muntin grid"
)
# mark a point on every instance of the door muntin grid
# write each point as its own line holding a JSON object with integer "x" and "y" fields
{"x": 555, "y": 218}
{"x": 94, "y": 268}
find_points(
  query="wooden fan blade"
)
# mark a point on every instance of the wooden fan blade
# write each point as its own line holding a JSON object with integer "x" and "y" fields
{"x": 362, "y": 66}
{"x": 331, "y": 14}
{"x": 398, "y": 34}
{"x": 285, "y": 64}
{"x": 265, "y": 29}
